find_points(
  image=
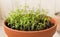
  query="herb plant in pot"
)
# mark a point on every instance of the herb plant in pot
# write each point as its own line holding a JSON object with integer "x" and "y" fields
{"x": 29, "y": 23}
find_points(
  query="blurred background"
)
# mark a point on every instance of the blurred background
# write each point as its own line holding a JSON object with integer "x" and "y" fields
{"x": 7, "y": 5}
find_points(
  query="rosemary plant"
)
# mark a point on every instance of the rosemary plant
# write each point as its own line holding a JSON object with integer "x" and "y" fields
{"x": 28, "y": 20}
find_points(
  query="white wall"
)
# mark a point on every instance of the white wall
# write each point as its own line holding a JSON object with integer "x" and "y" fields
{"x": 7, "y": 5}
{"x": 57, "y": 5}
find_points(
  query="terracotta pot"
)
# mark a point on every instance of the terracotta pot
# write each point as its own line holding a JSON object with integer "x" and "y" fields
{"x": 43, "y": 33}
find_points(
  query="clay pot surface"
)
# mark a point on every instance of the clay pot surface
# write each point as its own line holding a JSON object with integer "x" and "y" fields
{"x": 42, "y": 33}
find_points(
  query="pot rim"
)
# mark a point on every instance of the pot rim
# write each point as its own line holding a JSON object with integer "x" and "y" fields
{"x": 55, "y": 25}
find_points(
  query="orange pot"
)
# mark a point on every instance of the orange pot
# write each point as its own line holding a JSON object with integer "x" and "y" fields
{"x": 43, "y": 33}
